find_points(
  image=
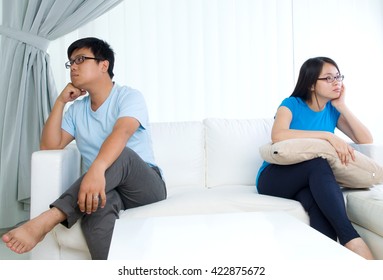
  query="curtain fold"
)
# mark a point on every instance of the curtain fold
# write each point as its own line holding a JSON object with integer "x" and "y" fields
{"x": 28, "y": 91}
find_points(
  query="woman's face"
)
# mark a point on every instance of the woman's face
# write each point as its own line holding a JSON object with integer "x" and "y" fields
{"x": 323, "y": 88}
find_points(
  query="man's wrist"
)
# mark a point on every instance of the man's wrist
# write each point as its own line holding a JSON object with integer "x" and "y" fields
{"x": 98, "y": 167}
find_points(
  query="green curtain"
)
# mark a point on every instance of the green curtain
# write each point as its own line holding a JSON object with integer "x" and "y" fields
{"x": 27, "y": 88}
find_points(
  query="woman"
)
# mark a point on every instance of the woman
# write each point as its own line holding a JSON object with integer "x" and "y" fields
{"x": 313, "y": 110}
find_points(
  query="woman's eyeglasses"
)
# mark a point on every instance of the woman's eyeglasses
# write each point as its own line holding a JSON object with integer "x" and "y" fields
{"x": 331, "y": 79}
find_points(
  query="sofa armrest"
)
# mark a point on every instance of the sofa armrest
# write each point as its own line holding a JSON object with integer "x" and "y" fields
{"x": 374, "y": 151}
{"x": 53, "y": 171}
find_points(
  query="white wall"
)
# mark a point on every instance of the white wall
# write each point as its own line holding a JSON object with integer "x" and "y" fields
{"x": 237, "y": 58}
{"x": 350, "y": 32}
{"x": 195, "y": 58}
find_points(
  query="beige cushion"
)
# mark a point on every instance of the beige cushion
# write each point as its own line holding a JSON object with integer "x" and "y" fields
{"x": 361, "y": 173}
{"x": 366, "y": 209}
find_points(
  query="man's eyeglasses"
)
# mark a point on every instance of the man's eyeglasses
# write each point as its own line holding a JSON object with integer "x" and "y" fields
{"x": 331, "y": 79}
{"x": 79, "y": 60}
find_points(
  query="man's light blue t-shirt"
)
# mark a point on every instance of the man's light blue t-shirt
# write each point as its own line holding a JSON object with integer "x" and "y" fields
{"x": 91, "y": 128}
{"x": 303, "y": 118}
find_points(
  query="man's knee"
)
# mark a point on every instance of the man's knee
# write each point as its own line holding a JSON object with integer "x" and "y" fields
{"x": 98, "y": 226}
{"x": 128, "y": 153}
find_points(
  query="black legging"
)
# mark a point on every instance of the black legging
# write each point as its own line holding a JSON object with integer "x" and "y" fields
{"x": 313, "y": 184}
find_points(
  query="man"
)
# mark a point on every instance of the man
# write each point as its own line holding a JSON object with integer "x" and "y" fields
{"x": 110, "y": 126}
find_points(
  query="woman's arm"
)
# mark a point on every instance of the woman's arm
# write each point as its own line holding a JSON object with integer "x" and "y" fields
{"x": 348, "y": 123}
{"x": 281, "y": 131}
{"x": 281, "y": 128}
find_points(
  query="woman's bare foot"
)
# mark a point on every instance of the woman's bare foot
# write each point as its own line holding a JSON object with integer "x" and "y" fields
{"x": 25, "y": 237}
{"x": 358, "y": 246}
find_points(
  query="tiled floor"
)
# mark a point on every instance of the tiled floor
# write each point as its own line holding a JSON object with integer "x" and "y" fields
{"x": 6, "y": 254}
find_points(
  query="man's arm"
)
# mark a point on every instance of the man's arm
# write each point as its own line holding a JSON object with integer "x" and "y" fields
{"x": 93, "y": 182}
{"x": 53, "y": 136}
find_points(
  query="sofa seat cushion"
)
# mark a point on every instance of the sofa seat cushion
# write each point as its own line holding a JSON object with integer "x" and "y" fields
{"x": 366, "y": 209}
{"x": 192, "y": 200}
{"x": 224, "y": 199}
{"x": 72, "y": 238}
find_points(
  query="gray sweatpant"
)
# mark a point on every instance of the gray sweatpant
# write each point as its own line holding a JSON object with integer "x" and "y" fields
{"x": 130, "y": 182}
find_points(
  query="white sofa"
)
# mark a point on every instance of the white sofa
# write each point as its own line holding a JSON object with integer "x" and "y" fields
{"x": 209, "y": 167}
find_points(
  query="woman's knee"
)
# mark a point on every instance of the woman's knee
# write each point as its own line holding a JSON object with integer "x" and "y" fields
{"x": 318, "y": 162}
{"x": 306, "y": 198}
{"x": 320, "y": 167}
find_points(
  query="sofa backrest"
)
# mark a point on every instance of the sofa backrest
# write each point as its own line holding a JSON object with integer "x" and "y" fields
{"x": 210, "y": 153}
{"x": 179, "y": 152}
{"x": 232, "y": 150}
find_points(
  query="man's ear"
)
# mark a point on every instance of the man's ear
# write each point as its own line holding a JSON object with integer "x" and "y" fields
{"x": 105, "y": 65}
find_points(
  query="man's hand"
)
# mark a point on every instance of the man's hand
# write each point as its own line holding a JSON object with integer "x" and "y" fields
{"x": 71, "y": 93}
{"x": 53, "y": 136}
{"x": 92, "y": 189}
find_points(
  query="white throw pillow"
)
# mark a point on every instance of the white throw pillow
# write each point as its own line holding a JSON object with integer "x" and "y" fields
{"x": 364, "y": 172}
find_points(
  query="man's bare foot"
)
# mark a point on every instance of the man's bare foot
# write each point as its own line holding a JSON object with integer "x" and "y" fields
{"x": 25, "y": 237}
{"x": 358, "y": 246}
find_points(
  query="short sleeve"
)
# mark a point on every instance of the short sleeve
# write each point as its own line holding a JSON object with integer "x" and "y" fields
{"x": 290, "y": 103}
{"x": 68, "y": 121}
{"x": 132, "y": 104}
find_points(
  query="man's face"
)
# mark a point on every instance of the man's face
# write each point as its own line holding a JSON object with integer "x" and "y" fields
{"x": 85, "y": 68}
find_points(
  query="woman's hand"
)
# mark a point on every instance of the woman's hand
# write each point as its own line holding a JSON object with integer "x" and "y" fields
{"x": 340, "y": 100}
{"x": 345, "y": 151}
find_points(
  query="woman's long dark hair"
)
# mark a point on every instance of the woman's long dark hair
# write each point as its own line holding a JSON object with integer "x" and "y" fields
{"x": 308, "y": 76}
